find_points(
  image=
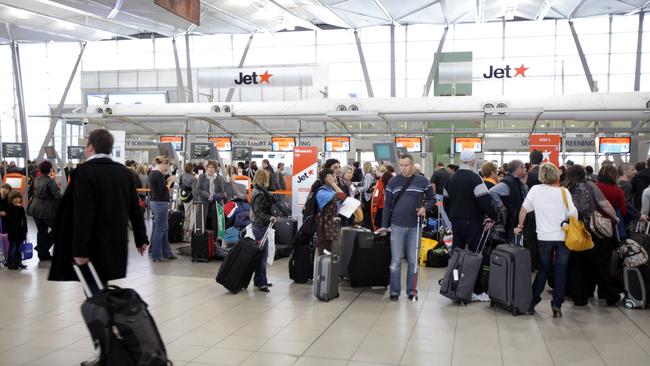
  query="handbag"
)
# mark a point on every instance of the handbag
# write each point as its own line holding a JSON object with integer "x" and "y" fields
{"x": 578, "y": 238}
{"x": 599, "y": 224}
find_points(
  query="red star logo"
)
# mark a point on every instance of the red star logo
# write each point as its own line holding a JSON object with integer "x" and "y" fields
{"x": 264, "y": 78}
{"x": 521, "y": 70}
{"x": 311, "y": 172}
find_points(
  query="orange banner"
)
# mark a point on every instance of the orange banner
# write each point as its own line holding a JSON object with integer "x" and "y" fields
{"x": 412, "y": 144}
{"x": 177, "y": 141}
{"x": 549, "y": 145}
{"x": 305, "y": 173}
{"x": 222, "y": 143}
{"x": 337, "y": 143}
{"x": 283, "y": 143}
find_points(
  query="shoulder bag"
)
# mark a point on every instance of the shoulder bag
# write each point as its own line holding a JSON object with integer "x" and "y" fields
{"x": 578, "y": 238}
{"x": 599, "y": 224}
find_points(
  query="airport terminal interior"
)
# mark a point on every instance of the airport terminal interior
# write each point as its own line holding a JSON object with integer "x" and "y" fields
{"x": 206, "y": 88}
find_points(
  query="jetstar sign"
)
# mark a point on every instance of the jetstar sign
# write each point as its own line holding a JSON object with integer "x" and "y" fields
{"x": 500, "y": 73}
{"x": 253, "y": 78}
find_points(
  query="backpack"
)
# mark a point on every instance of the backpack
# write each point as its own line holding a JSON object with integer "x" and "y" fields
{"x": 184, "y": 192}
{"x": 584, "y": 202}
{"x": 310, "y": 210}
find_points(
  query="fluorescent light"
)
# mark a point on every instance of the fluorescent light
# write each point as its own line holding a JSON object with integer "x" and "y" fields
{"x": 18, "y": 13}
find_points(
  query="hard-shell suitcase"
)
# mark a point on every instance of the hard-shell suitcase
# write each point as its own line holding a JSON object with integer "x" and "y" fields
{"x": 348, "y": 239}
{"x": 462, "y": 272}
{"x": 202, "y": 241}
{"x": 121, "y": 327}
{"x": 326, "y": 271}
{"x": 510, "y": 279}
{"x": 636, "y": 281}
{"x": 285, "y": 230}
{"x": 237, "y": 268}
{"x": 301, "y": 263}
{"x": 175, "y": 223}
{"x": 370, "y": 262}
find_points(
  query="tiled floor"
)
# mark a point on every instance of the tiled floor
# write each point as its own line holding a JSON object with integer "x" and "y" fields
{"x": 202, "y": 324}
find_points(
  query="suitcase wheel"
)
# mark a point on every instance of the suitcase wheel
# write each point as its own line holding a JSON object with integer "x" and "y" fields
{"x": 629, "y": 304}
{"x": 491, "y": 304}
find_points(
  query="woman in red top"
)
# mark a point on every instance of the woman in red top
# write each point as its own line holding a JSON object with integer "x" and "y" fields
{"x": 379, "y": 196}
{"x": 607, "y": 177}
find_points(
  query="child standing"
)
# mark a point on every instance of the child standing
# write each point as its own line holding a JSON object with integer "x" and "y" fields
{"x": 17, "y": 229}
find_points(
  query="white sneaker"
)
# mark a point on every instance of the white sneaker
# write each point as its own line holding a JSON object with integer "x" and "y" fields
{"x": 326, "y": 252}
{"x": 480, "y": 297}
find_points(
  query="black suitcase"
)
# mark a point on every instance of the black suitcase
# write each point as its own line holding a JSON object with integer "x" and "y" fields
{"x": 301, "y": 263}
{"x": 637, "y": 282}
{"x": 282, "y": 251}
{"x": 462, "y": 272}
{"x": 237, "y": 268}
{"x": 175, "y": 223}
{"x": 122, "y": 329}
{"x": 510, "y": 279}
{"x": 348, "y": 239}
{"x": 370, "y": 262}
{"x": 285, "y": 230}
{"x": 202, "y": 241}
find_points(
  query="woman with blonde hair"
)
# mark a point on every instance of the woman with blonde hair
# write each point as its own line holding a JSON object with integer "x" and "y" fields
{"x": 160, "y": 182}
{"x": 365, "y": 189}
{"x": 489, "y": 171}
{"x": 261, "y": 205}
{"x": 552, "y": 205}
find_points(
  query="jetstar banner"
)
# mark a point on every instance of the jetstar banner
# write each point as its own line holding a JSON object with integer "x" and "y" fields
{"x": 263, "y": 77}
{"x": 305, "y": 165}
{"x": 549, "y": 145}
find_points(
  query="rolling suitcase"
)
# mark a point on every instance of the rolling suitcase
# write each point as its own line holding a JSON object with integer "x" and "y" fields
{"x": 636, "y": 281}
{"x": 348, "y": 239}
{"x": 285, "y": 230}
{"x": 510, "y": 279}
{"x": 175, "y": 222}
{"x": 243, "y": 258}
{"x": 326, "y": 271}
{"x": 462, "y": 272}
{"x": 370, "y": 262}
{"x": 282, "y": 251}
{"x": 121, "y": 327}
{"x": 301, "y": 263}
{"x": 202, "y": 241}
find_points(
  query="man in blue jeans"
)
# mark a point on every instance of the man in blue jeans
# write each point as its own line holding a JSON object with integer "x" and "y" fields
{"x": 407, "y": 196}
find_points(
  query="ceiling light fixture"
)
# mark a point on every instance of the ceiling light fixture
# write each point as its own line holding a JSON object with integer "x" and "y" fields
{"x": 115, "y": 10}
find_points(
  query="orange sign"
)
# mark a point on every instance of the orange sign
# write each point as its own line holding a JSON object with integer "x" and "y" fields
{"x": 549, "y": 145}
{"x": 305, "y": 173}
{"x": 177, "y": 141}
{"x": 337, "y": 144}
{"x": 412, "y": 144}
{"x": 468, "y": 143}
{"x": 222, "y": 143}
{"x": 283, "y": 143}
{"x": 614, "y": 145}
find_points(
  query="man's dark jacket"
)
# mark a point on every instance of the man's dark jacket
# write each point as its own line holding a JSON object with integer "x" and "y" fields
{"x": 93, "y": 218}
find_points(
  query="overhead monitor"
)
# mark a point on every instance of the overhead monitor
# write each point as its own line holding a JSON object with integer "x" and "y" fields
{"x": 222, "y": 143}
{"x": 412, "y": 144}
{"x": 614, "y": 145}
{"x": 337, "y": 143}
{"x": 384, "y": 151}
{"x": 285, "y": 144}
{"x": 468, "y": 143}
{"x": 176, "y": 141}
{"x": 203, "y": 150}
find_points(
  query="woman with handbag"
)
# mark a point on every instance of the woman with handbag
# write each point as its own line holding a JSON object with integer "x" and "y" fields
{"x": 552, "y": 207}
{"x": 43, "y": 207}
{"x": 591, "y": 267}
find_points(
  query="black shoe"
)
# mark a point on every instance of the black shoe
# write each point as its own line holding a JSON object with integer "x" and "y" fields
{"x": 13, "y": 268}
{"x": 45, "y": 258}
{"x": 172, "y": 257}
{"x": 269, "y": 285}
{"x": 22, "y": 266}
{"x": 557, "y": 312}
{"x": 411, "y": 297}
{"x": 394, "y": 297}
{"x": 264, "y": 289}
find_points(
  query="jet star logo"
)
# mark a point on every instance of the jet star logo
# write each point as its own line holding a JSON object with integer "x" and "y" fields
{"x": 253, "y": 77}
{"x": 500, "y": 73}
{"x": 303, "y": 177}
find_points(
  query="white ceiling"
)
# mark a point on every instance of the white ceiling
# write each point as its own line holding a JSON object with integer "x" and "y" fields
{"x": 90, "y": 20}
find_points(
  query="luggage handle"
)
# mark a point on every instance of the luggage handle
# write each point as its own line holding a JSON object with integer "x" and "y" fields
{"x": 196, "y": 222}
{"x": 638, "y": 227}
{"x": 520, "y": 242}
{"x": 87, "y": 290}
{"x": 266, "y": 233}
{"x": 482, "y": 242}
{"x": 337, "y": 227}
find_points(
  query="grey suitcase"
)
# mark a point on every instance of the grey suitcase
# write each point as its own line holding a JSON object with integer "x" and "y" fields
{"x": 462, "y": 272}
{"x": 511, "y": 278}
{"x": 327, "y": 271}
{"x": 348, "y": 238}
{"x": 635, "y": 286}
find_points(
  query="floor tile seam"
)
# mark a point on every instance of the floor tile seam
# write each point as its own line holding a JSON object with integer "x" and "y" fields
{"x": 496, "y": 317}
{"x": 544, "y": 339}
{"x": 647, "y": 351}
{"x": 332, "y": 323}
{"x": 426, "y": 297}
{"x": 592, "y": 345}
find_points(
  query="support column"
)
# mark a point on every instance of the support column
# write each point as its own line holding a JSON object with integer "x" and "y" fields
{"x": 190, "y": 82}
{"x": 180, "y": 89}
{"x": 639, "y": 50}
{"x": 392, "y": 62}
{"x": 18, "y": 81}
{"x": 364, "y": 67}
{"x": 231, "y": 92}
{"x": 436, "y": 63}
{"x": 59, "y": 109}
{"x": 583, "y": 59}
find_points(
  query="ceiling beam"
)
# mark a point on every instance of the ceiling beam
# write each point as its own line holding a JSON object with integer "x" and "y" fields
{"x": 255, "y": 123}
{"x": 350, "y": 25}
{"x": 138, "y": 124}
{"x": 411, "y": 12}
{"x": 575, "y": 9}
{"x": 383, "y": 9}
{"x": 216, "y": 124}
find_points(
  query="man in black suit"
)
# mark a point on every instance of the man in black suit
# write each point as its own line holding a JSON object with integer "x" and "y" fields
{"x": 93, "y": 216}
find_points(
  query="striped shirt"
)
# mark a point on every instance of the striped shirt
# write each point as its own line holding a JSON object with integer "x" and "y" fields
{"x": 404, "y": 214}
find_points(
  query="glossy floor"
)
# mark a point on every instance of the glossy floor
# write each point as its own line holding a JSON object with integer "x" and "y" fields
{"x": 202, "y": 324}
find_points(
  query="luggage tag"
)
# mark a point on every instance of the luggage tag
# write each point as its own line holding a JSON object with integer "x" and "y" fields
{"x": 455, "y": 275}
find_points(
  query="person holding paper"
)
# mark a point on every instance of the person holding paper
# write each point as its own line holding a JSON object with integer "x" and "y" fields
{"x": 328, "y": 198}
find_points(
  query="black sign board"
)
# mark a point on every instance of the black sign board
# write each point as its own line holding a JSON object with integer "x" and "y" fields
{"x": 166, "y": 149}
{"x": 76, "y": 152}
{"x": 242, "y": 153}
{"x": 203, "y": 150}
{"x": 13, "y": 150}
{"x": 50, "y": 152}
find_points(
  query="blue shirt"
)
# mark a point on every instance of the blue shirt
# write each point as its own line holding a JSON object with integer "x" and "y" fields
{"x": 418, "y": 194}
